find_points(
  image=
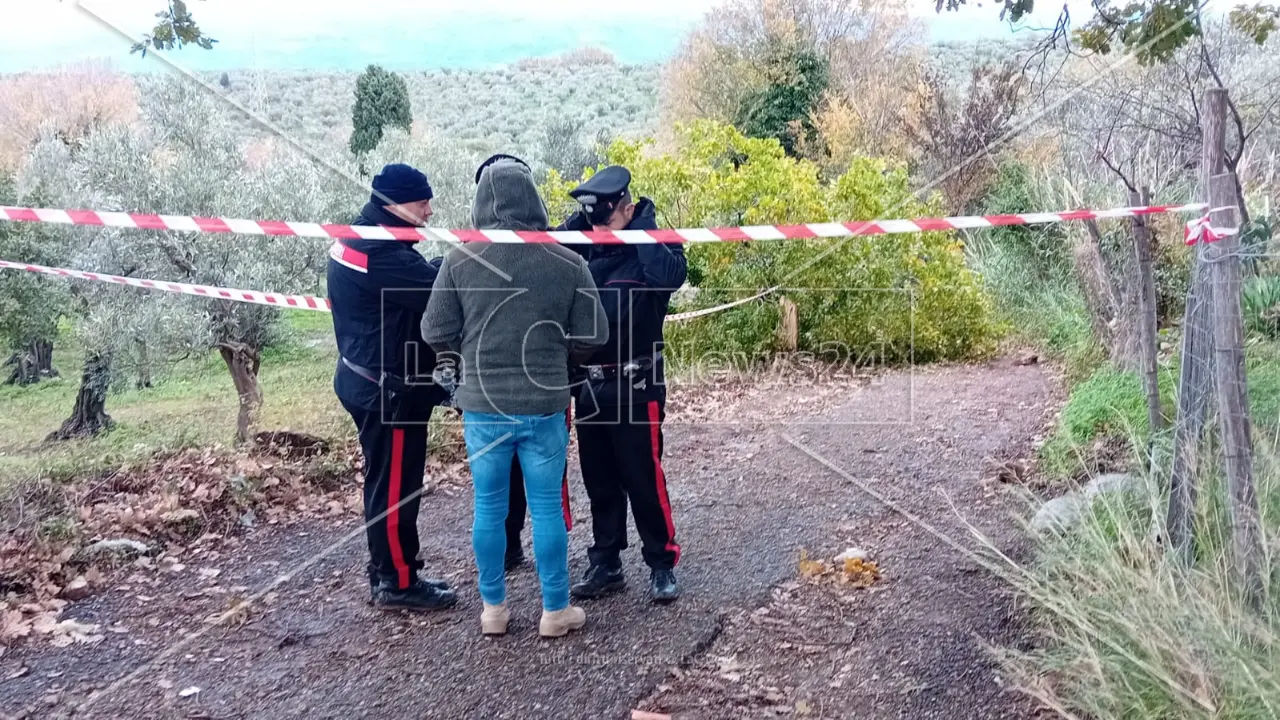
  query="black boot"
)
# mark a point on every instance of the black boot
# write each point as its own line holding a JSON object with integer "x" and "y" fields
{"x": 663, "y": 587}
{"x": 373, "y": 586}
{"x": 420, "y": 596}
{"x": 600, "y": 581}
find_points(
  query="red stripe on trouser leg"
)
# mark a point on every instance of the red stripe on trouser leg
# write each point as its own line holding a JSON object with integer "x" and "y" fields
{"x": 393, "y": 508}
{"x": 655, "y": 444}
{"x": 564, "y": 482}
{"x": 564, "y": 500}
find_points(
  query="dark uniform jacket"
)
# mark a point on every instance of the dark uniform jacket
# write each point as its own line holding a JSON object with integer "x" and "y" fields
{"x": 635, "y": 284}
{"x": 378, "y": 290}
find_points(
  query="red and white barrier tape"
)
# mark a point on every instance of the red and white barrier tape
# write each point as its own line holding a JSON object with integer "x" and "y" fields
{"x": 1201, "y": 230}
{"x": 1197, "y": 229}
{"x": 301, "y": 302}
{"x": 183, "y": 223}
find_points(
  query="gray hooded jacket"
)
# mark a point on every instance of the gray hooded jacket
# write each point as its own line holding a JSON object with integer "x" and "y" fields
{"x": 513, "y": 312}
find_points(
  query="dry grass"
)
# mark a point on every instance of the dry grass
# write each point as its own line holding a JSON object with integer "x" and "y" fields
{"x": 1126, "y": 633}
{"x": 69, "y": 100}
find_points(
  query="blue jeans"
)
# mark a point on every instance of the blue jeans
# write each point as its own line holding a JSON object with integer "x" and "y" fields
{"x": 540, "y": 443}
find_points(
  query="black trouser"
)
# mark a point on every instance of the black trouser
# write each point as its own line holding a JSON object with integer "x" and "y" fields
{"x": 516, "y": 508}
{"x": 620, "y": 449}
{"x": 395, "y": 458}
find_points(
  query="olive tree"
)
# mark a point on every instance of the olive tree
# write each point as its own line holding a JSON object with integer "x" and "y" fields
{"x": 30, "y": 306}
{"x": 184, "y": 160}
{"x": 121, "y": 336}
{"x": 202, "y": 170}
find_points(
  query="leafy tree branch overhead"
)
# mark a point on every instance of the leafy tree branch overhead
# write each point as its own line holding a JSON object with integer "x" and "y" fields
{"x": 175, "y": 28}
{"x": 1151, "y": 29}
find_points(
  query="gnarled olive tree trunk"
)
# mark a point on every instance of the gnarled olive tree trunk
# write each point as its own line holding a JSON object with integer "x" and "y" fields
{"x": 89, "y": 417}
{"x": 31, "y": 364}
{"x": 243, "y": 362}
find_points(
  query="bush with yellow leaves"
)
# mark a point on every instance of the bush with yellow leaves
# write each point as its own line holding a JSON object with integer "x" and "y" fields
{"x": 893, "y": 298}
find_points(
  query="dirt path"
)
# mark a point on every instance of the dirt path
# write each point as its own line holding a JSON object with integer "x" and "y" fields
{"x": 747, "y": 640}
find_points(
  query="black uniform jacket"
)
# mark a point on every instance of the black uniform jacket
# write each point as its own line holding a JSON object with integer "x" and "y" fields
{"x": 635, "y": 284}
{"x": 378, "y": 290}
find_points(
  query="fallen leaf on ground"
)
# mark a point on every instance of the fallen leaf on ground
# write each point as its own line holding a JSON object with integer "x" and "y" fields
{"x": 810, "y": 568}
{"x": 14, "y": 625}
{"x": 860, "y": 573}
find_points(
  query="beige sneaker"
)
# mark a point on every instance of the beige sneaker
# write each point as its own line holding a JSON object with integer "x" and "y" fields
{"x": 561, "y": 622}
{"x": 494, "y": 619}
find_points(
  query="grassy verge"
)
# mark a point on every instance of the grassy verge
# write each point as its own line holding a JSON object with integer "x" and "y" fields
{"x": 1106, "y": 414}
{"x": 1128, "y": 634}
{"x": 1037, "y": 306}
{"x": 194, "y": 405}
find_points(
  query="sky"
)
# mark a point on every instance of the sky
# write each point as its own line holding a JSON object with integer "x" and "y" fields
{"x": 400, "y": 34}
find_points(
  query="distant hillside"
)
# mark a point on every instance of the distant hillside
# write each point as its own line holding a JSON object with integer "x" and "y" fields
{"x": 955, "y": 59}
{"x": 508, "y": 108}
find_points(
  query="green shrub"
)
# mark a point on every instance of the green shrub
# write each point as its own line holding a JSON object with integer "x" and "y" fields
{"x": 1261, "y": 304}
{"x": 896, "y": 298}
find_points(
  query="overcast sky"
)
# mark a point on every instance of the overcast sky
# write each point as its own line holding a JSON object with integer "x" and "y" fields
{"x": 42, "y": 32}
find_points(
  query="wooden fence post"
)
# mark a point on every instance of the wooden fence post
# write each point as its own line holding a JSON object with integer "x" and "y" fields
{"x": 789, "y": 328}
{"x": 1147, "y": 321}
{"x": 1196, "y": 376}
{"x": 1233, "y": 396}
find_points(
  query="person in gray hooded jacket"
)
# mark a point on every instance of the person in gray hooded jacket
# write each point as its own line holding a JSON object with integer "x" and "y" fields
{"x": 516, "y": 315}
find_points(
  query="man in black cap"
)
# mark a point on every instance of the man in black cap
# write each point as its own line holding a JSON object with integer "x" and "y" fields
{"x": 621, "y": 395}
{"x": 378, "y": 290}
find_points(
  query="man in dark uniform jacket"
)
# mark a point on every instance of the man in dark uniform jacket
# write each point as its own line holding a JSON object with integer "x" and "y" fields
{"x": 378, "y": 290}
{"x": 621, "y": 396}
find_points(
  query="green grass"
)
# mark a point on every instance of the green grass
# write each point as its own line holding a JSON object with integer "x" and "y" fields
{"x": 1111, "y": 404}
{"x": 194, "y": 405}
{"x": 1037, "y": 307}
{"x": 1263, "y": 367}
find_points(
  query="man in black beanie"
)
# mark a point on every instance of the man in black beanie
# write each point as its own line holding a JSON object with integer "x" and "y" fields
{"x": 378, "y": 290}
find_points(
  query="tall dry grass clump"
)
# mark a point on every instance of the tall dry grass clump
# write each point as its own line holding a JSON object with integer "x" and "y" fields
{"x": 1128, "y": 633}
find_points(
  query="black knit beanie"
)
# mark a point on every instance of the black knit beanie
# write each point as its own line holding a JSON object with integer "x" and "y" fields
{"x": 398, "y": 184}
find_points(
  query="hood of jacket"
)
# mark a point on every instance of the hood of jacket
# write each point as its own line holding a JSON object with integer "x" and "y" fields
{"x": 508, "y": 199}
